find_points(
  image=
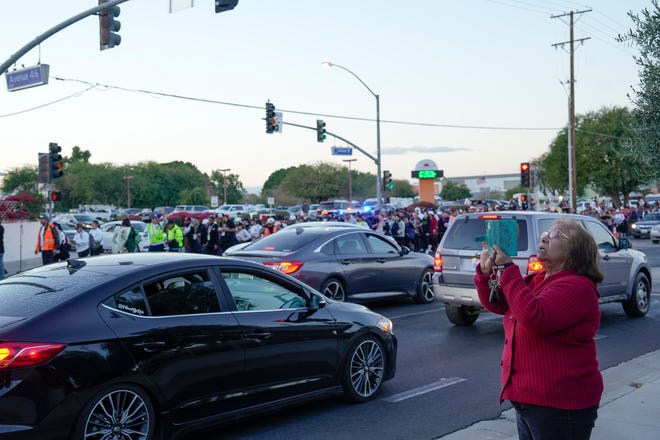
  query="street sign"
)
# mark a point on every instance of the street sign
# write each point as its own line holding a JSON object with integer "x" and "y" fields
{"x": 214, "y": 201}
{"x": 342, "y": 151}
{"x": 26, "y": 78}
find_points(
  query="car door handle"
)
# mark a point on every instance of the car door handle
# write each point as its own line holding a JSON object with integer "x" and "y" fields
{"x": 345, "y": 261}
{"x": 257, "y": 335}
{"x": 150, "y": 346}
{"x": 382, "y": 260}
{"x": 606, "y": 257}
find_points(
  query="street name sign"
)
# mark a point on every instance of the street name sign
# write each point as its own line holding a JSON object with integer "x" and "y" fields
{"x": 26, "y": 78}
{"x": 342, "y": 151}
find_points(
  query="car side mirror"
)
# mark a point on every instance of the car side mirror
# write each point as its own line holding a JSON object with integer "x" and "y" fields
{"x": 405, "y": 250}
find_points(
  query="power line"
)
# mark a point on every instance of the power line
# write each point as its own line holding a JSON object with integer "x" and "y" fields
{"x": 73, "y": 95}
{"x": 299, "y": 112}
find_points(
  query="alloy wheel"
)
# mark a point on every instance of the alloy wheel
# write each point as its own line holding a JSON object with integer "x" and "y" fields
{"x": 119, "y": 415}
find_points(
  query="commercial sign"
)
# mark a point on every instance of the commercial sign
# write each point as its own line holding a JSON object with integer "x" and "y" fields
{"x": 26, "y": 78}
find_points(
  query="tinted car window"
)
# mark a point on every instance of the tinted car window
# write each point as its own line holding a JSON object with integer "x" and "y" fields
{"x": 253, "y": 292}
{"x": 381, "y": 246}
{"x": 600, "y": 234}
{"x": 132, "y": 301}
{"x": 469, "y": 233}
{"x": 182, "y": 294}
{"x": 350, "y": 244}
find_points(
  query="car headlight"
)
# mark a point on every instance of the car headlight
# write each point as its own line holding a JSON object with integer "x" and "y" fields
{"x": 634, "y": 226}
{"x": 385, "y": 325}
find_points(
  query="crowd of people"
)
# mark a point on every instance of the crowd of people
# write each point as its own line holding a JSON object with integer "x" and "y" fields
{"x": 420, "y": 229}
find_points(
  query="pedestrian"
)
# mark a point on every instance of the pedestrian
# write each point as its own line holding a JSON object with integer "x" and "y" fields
{"x": 62, "y": 250}
{"x": 2, "y": 250}
{"x": 47, "y": 240}
{"x": 96, "y": 243}
{"x": 120, "y": 236}
{"x": 81, "y": 241}
{"x": 549, "y": 365}
{"x": 194, "y": 236}
{"x": 174, "y": 237}
{"x": 132, "y": 243}
{"x": 242, "y": 234}
{"x": 156, "y": 233}
{"x": 212, "y": 236}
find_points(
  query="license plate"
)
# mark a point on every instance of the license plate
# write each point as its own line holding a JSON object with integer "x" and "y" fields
{"x": 475, "y": 261}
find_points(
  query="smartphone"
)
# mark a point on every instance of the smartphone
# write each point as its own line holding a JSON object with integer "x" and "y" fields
{"x": 503, "y": 233}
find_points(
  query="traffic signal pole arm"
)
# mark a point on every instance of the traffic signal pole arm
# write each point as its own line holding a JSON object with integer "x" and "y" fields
{"x": 338, "y": 137}
{"x": 52, "y": 31}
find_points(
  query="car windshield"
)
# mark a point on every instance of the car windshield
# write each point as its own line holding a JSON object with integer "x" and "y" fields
{"x": 653, "y": 216}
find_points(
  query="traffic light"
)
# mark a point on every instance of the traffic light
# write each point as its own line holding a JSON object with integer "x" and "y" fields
{"x": 55, "y": 161}
{"x": 270, "y": 118}
{"x": 388, "y": 185}
{"x": 43, "y": 168}
{"x": 56, "y": 196}
{"x": 525, "y": 172}
{"x": 225, "y": 5}
{"x": 108, "y": 26}
{"x": 523, "y": 202}
{"x": 320, "y": 130}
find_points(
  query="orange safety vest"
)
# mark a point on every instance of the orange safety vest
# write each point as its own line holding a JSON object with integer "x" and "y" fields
{"x": 49, "y": 239}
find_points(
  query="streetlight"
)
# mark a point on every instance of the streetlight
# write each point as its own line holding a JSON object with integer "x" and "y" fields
{"x": 379, "y": 189}
{"x": 350, "y": 179}
{"x": 224, "y": 183}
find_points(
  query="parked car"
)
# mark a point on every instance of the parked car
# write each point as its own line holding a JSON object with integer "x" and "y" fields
{"x": 627, "y": 273}
{"x": 130, "y": 211}
{"x": 345, "y": 262}
{"x": 73, "y": 219}
{"x": 232, "y": 210}
{"x": 139, "y": 226}
{"x": 166, "y": 209}
{"x": 655, "y": 234}
{"x": 642, "y": 227}
{"x": 149, "y": 345}
{"x": 190, "y": 209}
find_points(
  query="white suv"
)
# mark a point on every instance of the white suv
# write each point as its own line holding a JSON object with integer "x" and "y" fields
{"x": 627, "y": 273}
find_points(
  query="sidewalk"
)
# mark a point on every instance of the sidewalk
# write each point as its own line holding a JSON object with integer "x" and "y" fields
{"x": 629, "y": 409}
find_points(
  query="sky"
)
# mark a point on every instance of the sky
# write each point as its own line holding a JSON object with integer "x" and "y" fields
{"x": 474, "y": 85}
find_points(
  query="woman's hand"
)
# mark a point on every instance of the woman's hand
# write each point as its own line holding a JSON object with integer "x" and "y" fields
{"x": 500, "y": 258}
{"x": 486, "y": 262}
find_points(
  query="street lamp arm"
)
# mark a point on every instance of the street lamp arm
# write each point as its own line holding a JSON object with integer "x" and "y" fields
{"x": 357, "y": 77}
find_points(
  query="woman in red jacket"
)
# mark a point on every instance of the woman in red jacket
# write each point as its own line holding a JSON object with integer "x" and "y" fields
{"x": 549, "y": 366}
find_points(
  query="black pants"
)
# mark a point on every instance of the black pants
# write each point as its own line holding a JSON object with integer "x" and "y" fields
{"x": 545, "y": 423}
{"x": 157, "y": 247}
{"x": 46, "y": 257}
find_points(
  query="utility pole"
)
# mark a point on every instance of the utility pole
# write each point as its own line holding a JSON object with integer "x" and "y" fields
{"x": 572, "y": 178}
{"x": 224, "y": 184}
{"x": 350, "y": 179}
{"x": 128, "y": 190}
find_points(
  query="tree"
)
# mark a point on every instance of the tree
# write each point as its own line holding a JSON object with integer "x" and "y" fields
{"x": 21, "y": 180}
{"x": 315, "y": 183}
{"x": 600, "y": 162}
{"x": 235, "y": 190}
{"x": 646, "y": 98}
{"x": 454, "y": 191}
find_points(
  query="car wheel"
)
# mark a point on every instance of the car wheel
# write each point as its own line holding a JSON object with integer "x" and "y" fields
{"x": 334, "y": 289}
{"x": 640, "y": 297}
{"x": 425, "y": 293}
{"x": 364, "y": 369}
{"x": 122, "y": 411}
{"x": 462, "y": 316}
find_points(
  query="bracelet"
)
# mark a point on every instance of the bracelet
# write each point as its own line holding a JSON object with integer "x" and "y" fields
{"x": 505, "y": 265}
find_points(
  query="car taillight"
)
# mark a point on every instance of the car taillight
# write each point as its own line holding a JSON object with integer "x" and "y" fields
{"x": 490, "y": 217}
{"x": 27, "y": 354}
{"x": 287, "y": 267}
{"x": 534, "y": 265}
{"x": 437, "y": 263}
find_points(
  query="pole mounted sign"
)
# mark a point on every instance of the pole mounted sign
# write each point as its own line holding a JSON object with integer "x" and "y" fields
{"x": 26, "y": 78}
{"x": 342, "y": 151}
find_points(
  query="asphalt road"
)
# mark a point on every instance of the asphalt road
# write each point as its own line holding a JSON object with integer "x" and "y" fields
{"x": 447, "y": 377}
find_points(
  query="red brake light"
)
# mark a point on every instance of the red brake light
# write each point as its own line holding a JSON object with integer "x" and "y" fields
{"x": 534, "y": 265}
{"x": 287, "y": 267}
{"x": 437, "y": 263}
{"x": 27, "y": 354}
{"x": 490, "y": 217}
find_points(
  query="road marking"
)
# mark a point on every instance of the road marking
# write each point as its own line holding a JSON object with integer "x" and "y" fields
{"x": 406, "y": 315}
{"x": 442, "y": 383}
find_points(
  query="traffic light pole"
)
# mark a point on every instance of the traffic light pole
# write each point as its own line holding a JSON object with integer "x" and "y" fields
{"x": 341, "y": 139}
{"x": 52, "y": 31}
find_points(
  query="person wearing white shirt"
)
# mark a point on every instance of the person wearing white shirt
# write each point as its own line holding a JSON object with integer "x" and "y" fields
{"x": 81, "y": 240}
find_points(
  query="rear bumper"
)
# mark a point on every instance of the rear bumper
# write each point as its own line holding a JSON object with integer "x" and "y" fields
{"x": 455, "y": 294}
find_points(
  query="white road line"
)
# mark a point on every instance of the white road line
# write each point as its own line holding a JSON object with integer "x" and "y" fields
{"x": 406, "y": 315}
{"x": 444, "y": 382}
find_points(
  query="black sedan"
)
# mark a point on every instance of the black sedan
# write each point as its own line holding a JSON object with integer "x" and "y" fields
{"x": 345, "y": 263}
{"x": 150, "y": 345}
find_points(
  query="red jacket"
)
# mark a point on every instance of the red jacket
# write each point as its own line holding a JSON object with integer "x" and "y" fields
{"x": 549, "y": 355}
